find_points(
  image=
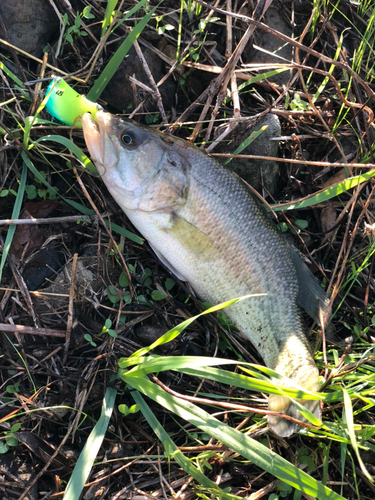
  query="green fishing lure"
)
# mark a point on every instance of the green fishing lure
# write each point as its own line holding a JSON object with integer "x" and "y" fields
{"x": 65, "y": 104}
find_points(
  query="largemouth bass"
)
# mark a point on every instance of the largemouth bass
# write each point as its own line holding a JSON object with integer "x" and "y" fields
{"x": 210, "y": 231}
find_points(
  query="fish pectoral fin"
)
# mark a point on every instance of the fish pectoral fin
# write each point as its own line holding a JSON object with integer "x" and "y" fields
{"x": 167, "y": 264}
{"x": 195, "y": 241}
{"x": 311, "y": 295}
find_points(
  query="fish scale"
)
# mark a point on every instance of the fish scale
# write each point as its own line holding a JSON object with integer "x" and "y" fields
{"x": 210, "y": 231}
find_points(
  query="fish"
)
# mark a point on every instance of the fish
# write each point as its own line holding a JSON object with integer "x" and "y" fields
{"x": 209, "y": 230}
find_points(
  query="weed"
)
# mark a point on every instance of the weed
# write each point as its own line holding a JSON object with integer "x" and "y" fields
{"x": 107, "y": 329}
{"x": 165, "y": 27}
{"x": 89, "y": 339}
{"x": 10, "y": 439}
{"x": 298, "y": 225}
{"x": 5, "y": 193}
{"x": 12, "y": 388}
{"x": 126, "y": 410}
{"x": 74, "y": 31}
{"x": 296, "y": 104}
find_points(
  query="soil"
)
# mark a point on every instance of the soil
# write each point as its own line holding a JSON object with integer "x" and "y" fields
{"x": 64, "y": 287}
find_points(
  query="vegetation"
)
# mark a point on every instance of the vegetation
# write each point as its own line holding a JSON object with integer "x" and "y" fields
{"x": 105, "y": 357}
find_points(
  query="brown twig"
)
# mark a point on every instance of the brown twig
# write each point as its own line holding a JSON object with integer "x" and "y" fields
{"x": 51, "y": 220}
{"x": 298, "y": 162}
{"x": 289, "y": 40}
{"x": 24, "y": 290}
{"x": 219, "y": 85}
{"x": 311, "y": 102}
{"x": 155, "y": 90}
{"x": 69, "y": 323}
{"x": 49, "y": 332}
{"x": 38, "y": 86}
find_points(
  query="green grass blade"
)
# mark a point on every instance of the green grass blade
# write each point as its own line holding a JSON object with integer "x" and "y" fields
{"x": 90, "y": 450}
{"x": 248, "y": 383}
{"x": 111, "y": 225}
{"x": 81, "y": 157}
{"x": 326, "y": 194}
{"x": 174, "y": 332}
{"x": 22, "y": 361}
{"x": 15, "y": 215}
{"x": 202, "y": 367}
{"x": 132, "y": 11}
{"x": 343, "y": 451}
{"x": 111, "y": 5}
{"x": 117, "y": 58}
{"x": 247, "y": 141}
{"x": 261, "y": 77}
{"x": 236, "y": 440}
{"x": 11, "y": 75}
{"x": 351, "y": 432}
{"x": 330, "y": 71}
{"x": 175, "y": 453}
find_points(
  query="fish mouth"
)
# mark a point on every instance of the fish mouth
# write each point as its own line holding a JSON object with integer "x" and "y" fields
{"x": 96, "y": 137}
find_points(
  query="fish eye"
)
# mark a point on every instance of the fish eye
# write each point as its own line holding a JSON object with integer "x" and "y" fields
{"x": 127, "y": 138}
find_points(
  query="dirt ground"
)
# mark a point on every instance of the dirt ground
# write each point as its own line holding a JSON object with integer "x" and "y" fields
{"x": 68, "y": 311}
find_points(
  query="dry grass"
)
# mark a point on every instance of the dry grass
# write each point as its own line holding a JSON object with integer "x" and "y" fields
{"x": 57, "y": 359}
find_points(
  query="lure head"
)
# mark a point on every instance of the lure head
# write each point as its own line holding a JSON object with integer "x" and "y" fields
{"x": 65, "y": 104}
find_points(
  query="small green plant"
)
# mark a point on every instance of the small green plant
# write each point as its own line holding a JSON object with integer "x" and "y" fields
{"x": 202, "y": 25}
{"x": 12, "y": 388}
{"x": 152, "y": 118}
{"x": 146, "y": 279}
{"x": 32, "y": 191}
{"x": 305, "y": 458}
{"x": 5, "y": 193}
{"x": 157, "y": 295}
{"x": 74, "y": 31}
{"x": 296, "y": 104}
{"x": 113, "y": 295}
{"x": 125, "y": 410}
{"x": 161, "y": 29}
{"x": 123, "y": 280}
{"x": 89, "y": 339}
{"x": 300, "y": 223}
{"x": 169, "y": 283}
{"x": 191, "y": 7}
{"x": 283, "y": 491}
{"x": 10, "y": 438}
{"x": 107, "y": 329}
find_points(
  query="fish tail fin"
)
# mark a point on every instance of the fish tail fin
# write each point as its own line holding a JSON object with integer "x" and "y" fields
{"x": 283, "y": 427}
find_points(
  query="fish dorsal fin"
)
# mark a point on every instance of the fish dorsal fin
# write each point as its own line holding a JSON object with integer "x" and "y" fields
{"x": 311, "y": 295}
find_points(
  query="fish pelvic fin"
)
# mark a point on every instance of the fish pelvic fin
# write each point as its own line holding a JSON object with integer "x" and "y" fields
{"x": 283, "y": 427}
